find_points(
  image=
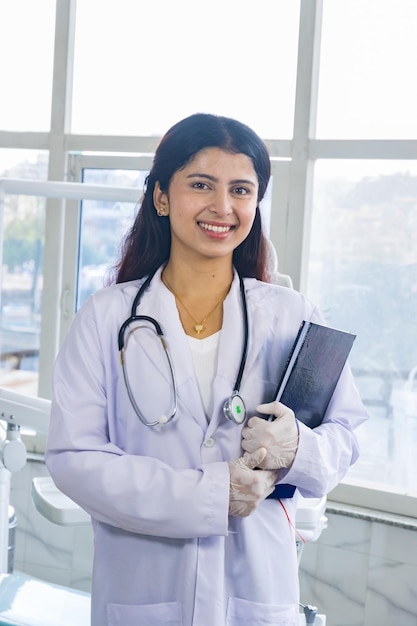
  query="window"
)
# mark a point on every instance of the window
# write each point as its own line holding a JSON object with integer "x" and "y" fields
{"x": 21, "y": 279}
{"x": 148, "y": 68}
{"x": 32, "y": 164}
{"x": 367, "y": 64}
{"x": 154, "y": 65}
{"x": 21, "y": 292}
{"x": 363, "y": 273}
{"x": 103, "y": 225}
{"x": 26, "y": 62}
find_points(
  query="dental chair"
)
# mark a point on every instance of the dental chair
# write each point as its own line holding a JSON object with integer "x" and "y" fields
{"x": 25, "y": 600}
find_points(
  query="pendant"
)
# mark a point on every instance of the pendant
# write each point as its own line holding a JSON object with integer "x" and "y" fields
{"x": 198, "y": 328}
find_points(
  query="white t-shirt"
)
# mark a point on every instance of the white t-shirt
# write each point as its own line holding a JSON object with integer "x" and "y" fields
{"x": 204, "y": 353}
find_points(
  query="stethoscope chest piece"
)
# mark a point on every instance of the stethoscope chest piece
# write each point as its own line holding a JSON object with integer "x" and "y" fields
{"x": 234, "y": 409}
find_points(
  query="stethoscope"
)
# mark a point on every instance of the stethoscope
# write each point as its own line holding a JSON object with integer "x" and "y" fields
{"x": 234, "y": 408}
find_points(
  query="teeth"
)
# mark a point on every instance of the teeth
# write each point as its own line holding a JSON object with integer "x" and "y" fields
{"x": 215, "y": 229}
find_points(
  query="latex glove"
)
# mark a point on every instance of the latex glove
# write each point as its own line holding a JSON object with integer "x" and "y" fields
{"x": 248, "y": 487}
{"x": 279, "y": 437}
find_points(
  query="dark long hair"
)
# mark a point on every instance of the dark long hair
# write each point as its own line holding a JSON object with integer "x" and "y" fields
{"x": 147, "y": 244}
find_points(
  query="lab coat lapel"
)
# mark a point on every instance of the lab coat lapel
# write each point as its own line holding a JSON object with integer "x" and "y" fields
{"x": 260, "y": 326}
{"x": 232, "y": 336}
{"x": 230, "y": 355}
{"x": 233, "y": 331}
{"x": 232, "y": 340}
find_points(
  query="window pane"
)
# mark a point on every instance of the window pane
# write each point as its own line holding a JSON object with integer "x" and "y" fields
{"x": 103, "y": 225}
{"x": 363, "y": 274}
{"x": 368, "y": 63}
{"x": 154, "y": 63}
{"x": 21, "y": 292}
{"x": 23, "y": 164}
{"x": 21, "y": 250}
{"x": 26, "y": 63}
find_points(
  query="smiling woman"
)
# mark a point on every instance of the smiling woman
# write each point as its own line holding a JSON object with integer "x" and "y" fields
{"x": 192, "y": 148}
{"x": 211, "y": 211}
{"x": 172, "y": 494}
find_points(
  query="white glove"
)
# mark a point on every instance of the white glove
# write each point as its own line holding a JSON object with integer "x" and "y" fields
{"x": 248, "y": 487}
{"x": 279, "y": 437}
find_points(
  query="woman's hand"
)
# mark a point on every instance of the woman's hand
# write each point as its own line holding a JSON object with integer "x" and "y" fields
{"x": 249, "y": 487}
{"x": 279, "y": 437}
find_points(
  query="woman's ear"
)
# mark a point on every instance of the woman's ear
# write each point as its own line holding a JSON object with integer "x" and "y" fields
{"x": 160, "y": 200}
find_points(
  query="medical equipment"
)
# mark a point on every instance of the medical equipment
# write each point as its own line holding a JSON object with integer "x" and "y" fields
{"x": 164, "y": 419}
{"x": 234, "y": 407}
{"x": 19, "y": 591}
{"x": 310, "y": 613}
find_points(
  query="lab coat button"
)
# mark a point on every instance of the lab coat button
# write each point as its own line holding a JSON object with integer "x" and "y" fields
{"x": 209, "y": 442}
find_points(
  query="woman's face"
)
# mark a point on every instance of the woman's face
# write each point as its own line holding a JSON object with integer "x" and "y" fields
{"x": 211, "y": 204}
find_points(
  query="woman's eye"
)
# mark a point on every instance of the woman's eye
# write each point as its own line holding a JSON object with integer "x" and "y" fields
{"x": 241, "y": 191}
{"x": 199, "y": 185}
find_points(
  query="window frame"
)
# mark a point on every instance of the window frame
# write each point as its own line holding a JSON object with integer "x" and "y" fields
{"x": 293, "y": 161}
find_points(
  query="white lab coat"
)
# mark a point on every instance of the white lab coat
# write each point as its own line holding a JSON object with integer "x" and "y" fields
{"x": 166, "y": 552}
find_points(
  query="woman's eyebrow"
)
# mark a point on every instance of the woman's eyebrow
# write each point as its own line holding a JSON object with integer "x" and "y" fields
{"x": 214, "y": 179}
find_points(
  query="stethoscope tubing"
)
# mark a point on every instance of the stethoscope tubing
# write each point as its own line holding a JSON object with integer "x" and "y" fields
{"x": 233, "y": 408}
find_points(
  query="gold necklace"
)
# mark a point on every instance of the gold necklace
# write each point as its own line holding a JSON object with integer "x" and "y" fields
{"x": 198, "y": 326}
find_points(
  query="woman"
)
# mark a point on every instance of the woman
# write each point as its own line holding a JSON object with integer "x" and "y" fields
{"x": 184, "y": 534}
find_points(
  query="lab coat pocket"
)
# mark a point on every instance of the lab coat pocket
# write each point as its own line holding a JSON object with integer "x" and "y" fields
{"x": 245, "y": 613}
{"x": 166, "y": 614}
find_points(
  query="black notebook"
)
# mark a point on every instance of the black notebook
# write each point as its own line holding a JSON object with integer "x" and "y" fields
{"x": 310, "y": 377}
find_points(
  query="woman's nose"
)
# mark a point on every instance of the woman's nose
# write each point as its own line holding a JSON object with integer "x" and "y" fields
{"x": 222, "y": 202}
